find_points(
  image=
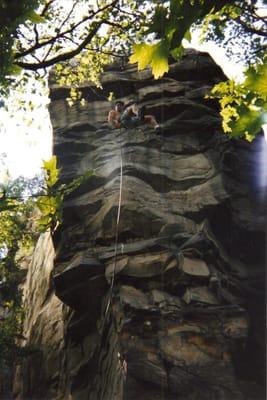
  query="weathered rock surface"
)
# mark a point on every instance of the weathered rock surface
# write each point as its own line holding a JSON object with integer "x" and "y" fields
{"x": 38, "y": 374}
{"x": 168, "y": 303}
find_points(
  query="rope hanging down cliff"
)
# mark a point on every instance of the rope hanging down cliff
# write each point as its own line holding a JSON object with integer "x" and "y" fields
{"x": 116, "y": 233}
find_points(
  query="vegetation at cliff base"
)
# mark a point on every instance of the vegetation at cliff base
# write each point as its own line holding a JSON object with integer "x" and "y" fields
{"x": 17, "y": 237}
{"x": 27, "y": 208}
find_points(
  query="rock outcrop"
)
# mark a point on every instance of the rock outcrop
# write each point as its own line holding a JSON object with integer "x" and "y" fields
{"x": 158, "y": 276}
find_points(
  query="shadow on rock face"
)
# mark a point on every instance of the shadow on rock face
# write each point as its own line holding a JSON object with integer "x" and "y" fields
{"x": 160, "y": 268}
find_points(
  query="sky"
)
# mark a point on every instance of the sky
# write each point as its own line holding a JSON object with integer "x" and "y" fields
{"x": 25, "y": 145}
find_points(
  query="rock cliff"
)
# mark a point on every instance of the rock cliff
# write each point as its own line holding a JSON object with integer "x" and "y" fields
{"x": 156, "y": 288}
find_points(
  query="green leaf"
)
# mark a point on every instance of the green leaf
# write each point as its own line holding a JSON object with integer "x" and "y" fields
{"x": 52, "y": 172}
{"x": 35, "y": 18}
{"x": 59, "y": 68}
{"x": 111, "y": 96}
{"x": 50, "y": 164}
{"x": 188, "y": 35}
{"x": 76, "y": 183}
{"x": 229, "y": 114}
{"x": 249, "y": 137}
{"x": 51, "y": 210}
{"x": 44, "y": 222}
{"x": 159, "y": 21}
{"x": 170, "y": 31}
{"x": 14, "y": 70}
{"x": 5, "y": 206}
{"x": 177, "y": 53}
{"x": 235, "y": 11}
{"x": 159, "y": 63}
{"x": 249, "y": 123}
{"x": 156, "y": 55}
{"x": 256, "y": 80}
{"x": 46, "y": 204}
{"x": 142, "y": 55}
{"x": 175, "y": 7}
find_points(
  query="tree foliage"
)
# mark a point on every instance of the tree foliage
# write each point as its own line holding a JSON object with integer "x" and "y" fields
{"x": 80, "y": 37}
{"x": 12, "y": 14}
{"x": 50, "y": 204}
{"x": 60, "y": 31}
{"x": 171, "y": 22}
{"x": 240, "y": 28}
{"x": 16, "y": 207}
{"x": 27, "y": 207}
{"x": 243, "y": 105}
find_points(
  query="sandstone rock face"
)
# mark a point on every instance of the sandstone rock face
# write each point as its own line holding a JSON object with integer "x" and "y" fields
{"x": 159, "y": 261}
{"x": 38, "y": 374}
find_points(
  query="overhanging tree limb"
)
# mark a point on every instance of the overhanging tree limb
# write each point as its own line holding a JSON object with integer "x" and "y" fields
{"x": 251, "y": 29}
{"x": 38, "y": 45}
{"x": 62, "y": 57}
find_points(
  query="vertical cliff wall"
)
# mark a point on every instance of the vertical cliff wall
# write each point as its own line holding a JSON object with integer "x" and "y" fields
{"x": 166, "y": 300}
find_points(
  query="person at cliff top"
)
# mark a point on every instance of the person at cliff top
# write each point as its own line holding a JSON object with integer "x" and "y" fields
{"x": 130, "y": 117}
{"x": 114, "y": 116}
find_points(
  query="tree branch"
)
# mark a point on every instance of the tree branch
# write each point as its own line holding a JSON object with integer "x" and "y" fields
{"x": 48, "y": 52}
{"x": 59, "y": 29}
{"x": 109, "y": 53}
{"x": 47, "y": 5}
{"x": 69, "y": 14}
{"x": 71, "y": 40}
{"x": 114, "y": 24}
{"x": 133, "y": 14}
{"x": 250, "y": 28}
{"x": 62, "y": 57}
{"x": 62, "y": 34}
{"x": 36, "y": 34}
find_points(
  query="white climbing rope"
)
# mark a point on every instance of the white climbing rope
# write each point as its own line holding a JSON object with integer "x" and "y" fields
{"x": 116, "y": 233}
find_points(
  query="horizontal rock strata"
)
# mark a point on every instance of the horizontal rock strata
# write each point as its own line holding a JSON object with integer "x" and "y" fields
{"x": 159, "y": 301}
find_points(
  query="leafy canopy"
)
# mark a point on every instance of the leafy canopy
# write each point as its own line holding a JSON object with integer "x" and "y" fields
{"x": 171, "y": 22}
{"x": 244, "y": 106}
{"x": 225, "y": 22}
{"x": 80, "y": 37}
{"x": 44, "y": 33}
